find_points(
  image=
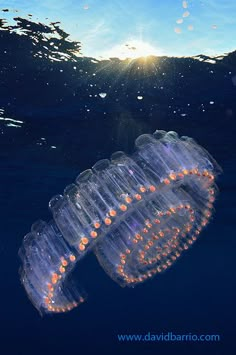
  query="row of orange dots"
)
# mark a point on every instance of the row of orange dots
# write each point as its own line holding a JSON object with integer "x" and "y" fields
{"x": 207, "y": 213}
{"x": 164, "y": 250}
{"x": 166, "y": 255}
{"x": 206, "y": 174}
{"x": 84, "y": 241}
{"x": 192, "y": 238}
{"x": 173, "y": 244}
{"x": 67, "y": 308}
{"x": 55, "y": 278}
{"x": 174, "y": 175}
{"x": 189, "y": 239}
{"x": 138, "y": 237}
{"x": 211, "y": 191}
{"x": 110, "y": 217}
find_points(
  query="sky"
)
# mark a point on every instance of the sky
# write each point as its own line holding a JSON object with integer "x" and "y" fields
{"x": 131, "y": 28}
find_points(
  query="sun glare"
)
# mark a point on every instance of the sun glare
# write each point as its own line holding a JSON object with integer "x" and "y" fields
{"x": 132, "y": 50}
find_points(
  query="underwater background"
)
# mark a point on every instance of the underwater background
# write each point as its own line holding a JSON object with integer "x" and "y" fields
{"x": 60, "y": 112}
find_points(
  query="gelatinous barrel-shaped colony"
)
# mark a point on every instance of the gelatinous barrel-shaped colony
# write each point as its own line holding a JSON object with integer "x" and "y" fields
{"x": 137, "y": 214}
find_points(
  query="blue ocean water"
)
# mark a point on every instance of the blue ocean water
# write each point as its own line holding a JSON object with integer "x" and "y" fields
{"x": 57, "y": 118}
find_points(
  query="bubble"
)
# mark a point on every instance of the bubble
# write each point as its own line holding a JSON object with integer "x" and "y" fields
{"x": 139, "y": 97}
{"x": 179, "y": 21}
{"x": 186, "y": 14}
{"x": 185, "y": 4}
{"x": 102, "y": 94}
{"x": 190, "y": 27}
{"x": 177, "y": 30}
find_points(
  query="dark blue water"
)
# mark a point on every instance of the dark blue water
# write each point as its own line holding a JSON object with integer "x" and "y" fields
{"x": 53, "y": 125}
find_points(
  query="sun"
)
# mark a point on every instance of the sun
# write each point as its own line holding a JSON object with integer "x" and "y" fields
{"x": 132, "y": 49}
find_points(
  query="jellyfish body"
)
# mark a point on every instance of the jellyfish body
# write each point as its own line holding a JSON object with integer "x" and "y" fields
{"x": 137, "y": 214}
